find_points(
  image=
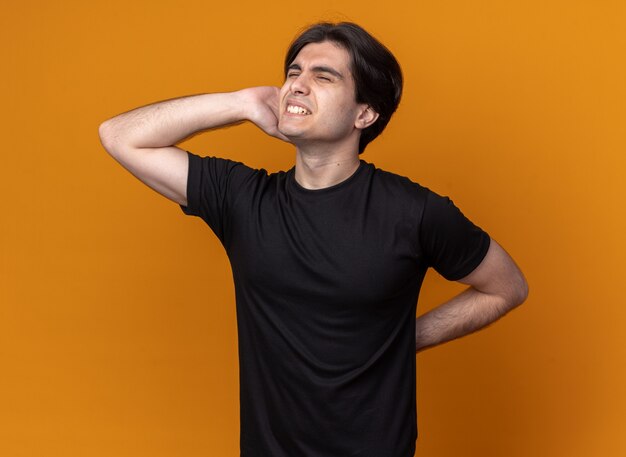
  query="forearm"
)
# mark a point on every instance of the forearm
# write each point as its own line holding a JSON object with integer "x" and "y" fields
{"x": 464, "y": 314}
{"x": 168, "y": 122}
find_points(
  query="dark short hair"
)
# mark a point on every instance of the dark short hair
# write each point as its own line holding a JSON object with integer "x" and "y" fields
{"x": 376, "y": 72}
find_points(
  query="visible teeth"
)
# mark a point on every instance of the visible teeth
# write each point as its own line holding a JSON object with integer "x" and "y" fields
{"x": 296, "y": 110}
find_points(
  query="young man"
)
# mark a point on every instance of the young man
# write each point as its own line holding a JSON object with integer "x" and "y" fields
{"x": 329, "y": 256}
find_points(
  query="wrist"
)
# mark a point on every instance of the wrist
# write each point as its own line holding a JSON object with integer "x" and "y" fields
{"x": 244, "y": 104}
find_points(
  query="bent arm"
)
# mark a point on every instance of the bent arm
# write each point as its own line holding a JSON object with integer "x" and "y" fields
{"x": 496, "y": 286}
{"x": 143, "y": 140}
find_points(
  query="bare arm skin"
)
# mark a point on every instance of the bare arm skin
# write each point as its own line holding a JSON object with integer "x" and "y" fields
{"x": 496, "y": 287}
{"x": 143, "y": 140}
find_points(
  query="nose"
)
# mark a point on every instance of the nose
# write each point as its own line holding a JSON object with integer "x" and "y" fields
{"x": 300, "y": 85}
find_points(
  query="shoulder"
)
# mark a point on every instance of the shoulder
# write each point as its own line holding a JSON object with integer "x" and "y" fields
{"x": 396, "y": 185}
{"x": 228, "y": 169}
{"x": 429, "y": 206}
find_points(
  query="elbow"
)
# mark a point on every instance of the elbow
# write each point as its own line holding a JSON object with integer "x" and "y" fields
{"x": 515, "y": 293}
{"x": 525, "y": 291}
{"x": 519, "y": 294}
{"x": 105, "y": 135}
{"x": 108, "y": 137}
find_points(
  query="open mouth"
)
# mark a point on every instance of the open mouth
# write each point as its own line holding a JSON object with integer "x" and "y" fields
{"x": 293, "y": 109}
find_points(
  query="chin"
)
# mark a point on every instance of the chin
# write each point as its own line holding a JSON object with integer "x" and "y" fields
{"x": 289, "y": 132}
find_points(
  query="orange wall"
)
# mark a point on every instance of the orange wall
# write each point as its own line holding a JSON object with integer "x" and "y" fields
{"x": 117, "y": 321}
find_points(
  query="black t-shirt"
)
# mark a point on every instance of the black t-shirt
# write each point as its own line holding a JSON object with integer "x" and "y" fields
{"x": 326, "y": 285}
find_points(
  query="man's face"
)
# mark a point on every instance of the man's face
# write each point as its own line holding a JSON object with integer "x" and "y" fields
{"x": 317, "y": 100}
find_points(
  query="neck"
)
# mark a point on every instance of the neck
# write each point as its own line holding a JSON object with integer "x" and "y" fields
{"x": 324, "y": 169}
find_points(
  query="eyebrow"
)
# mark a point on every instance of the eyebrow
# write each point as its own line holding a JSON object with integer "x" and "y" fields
{"x": 317, "y": 69}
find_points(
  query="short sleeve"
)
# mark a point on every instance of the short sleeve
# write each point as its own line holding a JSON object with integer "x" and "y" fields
{"x": 209, "y": 181}
{"x": 453, "y": 245}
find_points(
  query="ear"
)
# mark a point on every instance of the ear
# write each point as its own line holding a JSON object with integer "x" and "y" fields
{"x": 367, "y": 116}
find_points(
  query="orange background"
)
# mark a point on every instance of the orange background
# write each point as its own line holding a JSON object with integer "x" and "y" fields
{"x": 117, "y": 318}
